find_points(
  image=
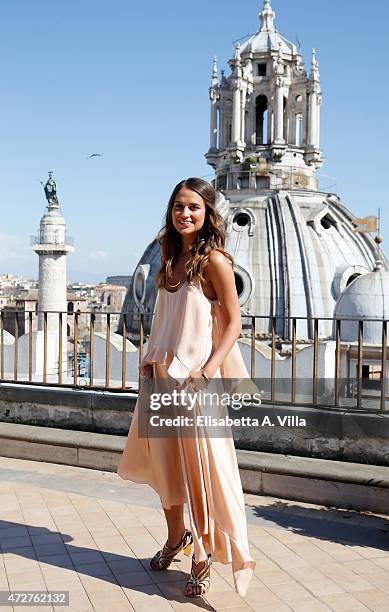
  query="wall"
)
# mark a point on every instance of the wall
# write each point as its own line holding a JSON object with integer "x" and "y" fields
{"x": 327, "y": 434}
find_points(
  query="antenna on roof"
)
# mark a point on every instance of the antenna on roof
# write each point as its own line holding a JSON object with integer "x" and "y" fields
{"x": 241, "y": 38}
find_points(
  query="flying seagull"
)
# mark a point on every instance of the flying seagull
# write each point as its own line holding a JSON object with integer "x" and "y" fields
{"x": 94, "y": 155}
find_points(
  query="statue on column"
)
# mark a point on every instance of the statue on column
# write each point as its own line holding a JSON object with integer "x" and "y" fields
{"x": 279, "y": 69}
{"x": 51, "y": 190}
{"x": 298, "y": 66}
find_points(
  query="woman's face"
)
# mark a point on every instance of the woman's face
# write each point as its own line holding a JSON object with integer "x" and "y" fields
{"x": 188, "y": 213}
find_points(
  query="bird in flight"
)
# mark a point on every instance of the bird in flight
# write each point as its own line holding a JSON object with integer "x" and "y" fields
{"x": 94, "y": 155}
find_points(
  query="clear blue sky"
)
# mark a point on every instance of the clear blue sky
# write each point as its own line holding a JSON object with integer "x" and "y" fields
{"x": 130, "y": 80}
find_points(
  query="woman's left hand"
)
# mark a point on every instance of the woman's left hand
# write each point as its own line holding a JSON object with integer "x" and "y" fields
{"x": 197, "y": 380}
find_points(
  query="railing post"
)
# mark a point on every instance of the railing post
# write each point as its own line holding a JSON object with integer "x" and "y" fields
{"x": 315, "y": 360}
{"x": 75, "y": 337}
{"x": 293, "y": 382}
{"x": 273, "y": 359}
{"x": 252, "y": 363}
{"x": 359, "y": 364}
{"x": 60, "y": 349}
{"x": 91, "y": 350}
{"x": 337, "y": 360}
{"x": 44, "y": 347}
{"x": 2, "y": 345}
{"x": 107, "y": 347}
{"x": 16, "y": 352}
{"x": 124, "y": 351}
{"x": 141, "y": 338}
{"x": 30, "y": 346}
{"x": 383, "y": 364}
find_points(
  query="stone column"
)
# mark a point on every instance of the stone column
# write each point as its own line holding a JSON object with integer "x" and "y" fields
{"x": 319, "y": 98}
{"x": 313, "y": 105}
{"x": 213, "y": 125}
{"x": 279, "y": 112}
{"x": 242, "y": 115}
{"x": 52, "y": 247}
{"x": 312, "y": 118}
{"x": 250, "y": 127}
{"x": 235, "y": 115}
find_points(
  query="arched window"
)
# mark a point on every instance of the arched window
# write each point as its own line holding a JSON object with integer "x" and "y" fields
{"x": 328, "y": 221}
{"x": 261, "y": 120}
{"x": 299, "y": 129}
{"x": 70, "y": 307}
{"x": 109, "y": 300}
{"x": 238, "y": 284}
{"x": 352, "y": 278}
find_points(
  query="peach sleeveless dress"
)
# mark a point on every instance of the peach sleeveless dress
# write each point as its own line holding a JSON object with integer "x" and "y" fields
{"x": 201, "y": 471}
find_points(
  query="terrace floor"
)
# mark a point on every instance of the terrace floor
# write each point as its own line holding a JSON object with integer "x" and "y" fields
{"x": 92, "y": 534}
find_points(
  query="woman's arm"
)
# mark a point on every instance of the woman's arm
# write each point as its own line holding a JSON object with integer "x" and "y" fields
{"x": 220, "y": 273}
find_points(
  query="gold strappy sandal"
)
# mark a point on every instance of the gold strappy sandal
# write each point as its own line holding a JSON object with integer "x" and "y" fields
{"x": 202, "y": 580}
{"x": 163, "y": 558}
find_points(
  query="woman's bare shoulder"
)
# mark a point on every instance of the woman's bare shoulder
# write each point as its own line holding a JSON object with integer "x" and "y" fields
{"x": 217, "y": 259}
{"x": 219, "y": 267}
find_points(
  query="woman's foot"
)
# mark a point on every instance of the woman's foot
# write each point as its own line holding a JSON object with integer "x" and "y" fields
{"x": 199, "y": 582}
{"x": 163, "y": 558}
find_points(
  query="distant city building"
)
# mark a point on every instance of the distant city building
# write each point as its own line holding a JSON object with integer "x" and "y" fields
{"x": 10, "y": 284}
{"x": 4, "y": 301}
{"x": 119, "y": 280}
{"x": 81, "y": 299}
{"x": 108, "y": 298}
{"x": 111, "y": 296}
{"x": 82, "y": 289}
{"x": 79, "y": 305}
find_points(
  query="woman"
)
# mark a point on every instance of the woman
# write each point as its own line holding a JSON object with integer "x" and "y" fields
{"x": 193, "y": 338}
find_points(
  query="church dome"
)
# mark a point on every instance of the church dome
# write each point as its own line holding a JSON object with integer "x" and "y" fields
{"x": 267, "y": 38}
{"x": 366, "y": 297}
{"x": 263, "y": 42}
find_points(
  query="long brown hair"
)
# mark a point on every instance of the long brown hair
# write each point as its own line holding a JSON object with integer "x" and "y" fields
{"x": 211, "y": 236}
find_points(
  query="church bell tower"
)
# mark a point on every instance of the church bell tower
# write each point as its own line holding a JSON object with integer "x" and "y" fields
{"x": 265, "y": 116}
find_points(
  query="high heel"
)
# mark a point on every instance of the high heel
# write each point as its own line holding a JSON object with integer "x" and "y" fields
{"x": 163, "y": 558}
{"x": 202, "y": 579}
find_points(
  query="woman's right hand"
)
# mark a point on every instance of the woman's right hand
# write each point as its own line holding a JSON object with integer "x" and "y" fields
{"x": 146, "y": 371}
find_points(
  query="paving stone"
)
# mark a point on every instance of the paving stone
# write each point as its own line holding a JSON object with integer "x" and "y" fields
{"x": 343, "y": 602}
{"x": 225, "y": 599}
{"x": 307, "y": 605}
{"x": 373, "y": 599}
{"x": 290, "y": 591}
{"x": 95, "y": 536}
{"x": 362, "y": 566}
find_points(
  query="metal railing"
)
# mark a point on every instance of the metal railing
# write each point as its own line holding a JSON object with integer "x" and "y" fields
{"x": 53, "y": 240}
{"x": 82, "y": 350}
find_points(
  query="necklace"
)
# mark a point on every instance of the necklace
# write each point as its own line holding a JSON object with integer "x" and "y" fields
{"x": 179, "y": 282}
{"x": 172, "y": 285}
